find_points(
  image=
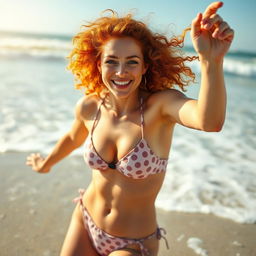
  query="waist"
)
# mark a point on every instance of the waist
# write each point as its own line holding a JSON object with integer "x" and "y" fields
{"x": 121, "y": 215}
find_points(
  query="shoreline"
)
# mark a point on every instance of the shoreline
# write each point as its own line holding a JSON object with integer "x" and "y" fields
{"x": 35, "y": 211}
{"x": 220, "y": 236}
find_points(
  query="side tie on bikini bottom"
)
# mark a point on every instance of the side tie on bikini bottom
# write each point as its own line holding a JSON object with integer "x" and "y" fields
{"x": 105, "y": 243}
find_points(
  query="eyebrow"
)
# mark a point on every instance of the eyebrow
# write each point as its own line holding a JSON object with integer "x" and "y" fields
{"x": 129, "y": 57}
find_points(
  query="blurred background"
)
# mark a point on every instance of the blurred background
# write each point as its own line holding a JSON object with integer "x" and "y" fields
{"x": 207, "y": 172}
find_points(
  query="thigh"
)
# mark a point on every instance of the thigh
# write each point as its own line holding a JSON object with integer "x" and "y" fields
{"x": 125, "y": 252}
{"x": 77, "y": 241}
{"x": 152, "y": 245}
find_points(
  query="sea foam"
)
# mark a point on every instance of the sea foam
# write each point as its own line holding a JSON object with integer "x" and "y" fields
{"x": 207, "y": 172}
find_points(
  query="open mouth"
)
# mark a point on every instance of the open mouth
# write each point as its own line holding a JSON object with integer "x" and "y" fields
{"x": 121, "y": 84}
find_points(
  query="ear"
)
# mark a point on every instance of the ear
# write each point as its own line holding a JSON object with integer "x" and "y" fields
{"x": 99, "y": 65}
{"x": 145, "y": 68}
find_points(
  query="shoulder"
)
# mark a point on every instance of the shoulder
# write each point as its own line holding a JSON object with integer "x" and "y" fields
{"x": 87, "y": 106}
{"x": 166, "y": 103}
{"x": 163, "y": 97}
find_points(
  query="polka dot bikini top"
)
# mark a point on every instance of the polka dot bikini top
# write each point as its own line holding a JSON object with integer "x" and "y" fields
{"x": 138, "y": 163}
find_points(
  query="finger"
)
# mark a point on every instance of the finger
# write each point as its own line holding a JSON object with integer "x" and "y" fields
{"x": 28, "y": 163}
{"x": 228, "y": 35}
{"x": 196, "y": 25}
{"x": 212, "y": 8}
{"x": 30, "y": 158}
{"x": 220, "y": 29}
{"x": 213, "y": 20}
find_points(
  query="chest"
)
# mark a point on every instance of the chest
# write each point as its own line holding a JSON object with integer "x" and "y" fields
{"x": 113, "y": 138}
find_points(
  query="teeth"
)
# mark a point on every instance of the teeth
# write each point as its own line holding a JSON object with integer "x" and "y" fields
{"x": 121, "y": 83}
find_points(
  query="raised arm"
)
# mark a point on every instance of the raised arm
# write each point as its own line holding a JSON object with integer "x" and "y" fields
{"x": 69, "y": 142}
{"x": 211, "y": 37}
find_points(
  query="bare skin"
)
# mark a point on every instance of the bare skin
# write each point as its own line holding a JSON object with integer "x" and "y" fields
{"x": 124, "y": 206}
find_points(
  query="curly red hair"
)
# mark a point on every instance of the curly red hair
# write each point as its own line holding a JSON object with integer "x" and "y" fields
{"x": 166, "y": 65}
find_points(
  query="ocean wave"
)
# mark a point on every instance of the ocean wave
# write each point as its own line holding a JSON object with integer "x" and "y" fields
{"x": 58, "y": 47}
{"x": 240, "y": 68}
{"x": 207, "y": 172}
{"x": 234, "y": 66}
{"x": 41, "y": 47}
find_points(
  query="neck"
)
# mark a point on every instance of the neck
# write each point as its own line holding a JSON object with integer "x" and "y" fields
{"x": 121, "y": 106}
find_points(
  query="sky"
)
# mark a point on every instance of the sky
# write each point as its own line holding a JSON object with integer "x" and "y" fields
{"x": 66, "y": 16}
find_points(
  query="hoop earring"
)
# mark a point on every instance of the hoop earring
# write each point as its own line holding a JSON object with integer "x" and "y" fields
{"x": 145, "y": 81}
{"x": 145, "y": 84}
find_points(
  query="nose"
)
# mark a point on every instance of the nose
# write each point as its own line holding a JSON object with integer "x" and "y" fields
{"x": 121, "y": 70}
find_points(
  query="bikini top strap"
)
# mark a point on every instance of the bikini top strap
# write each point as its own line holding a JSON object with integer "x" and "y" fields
{"x": 141, "y": 117}
{"x": 96, "y": 116}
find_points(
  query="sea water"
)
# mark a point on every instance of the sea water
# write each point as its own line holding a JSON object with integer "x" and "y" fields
{"x": 207, "y": 172}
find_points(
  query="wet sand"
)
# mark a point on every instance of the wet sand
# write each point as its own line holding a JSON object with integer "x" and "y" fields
{"x": 35, "y": 211}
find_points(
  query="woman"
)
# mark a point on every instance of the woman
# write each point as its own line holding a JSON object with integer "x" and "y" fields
{"x": 127, "y": 119}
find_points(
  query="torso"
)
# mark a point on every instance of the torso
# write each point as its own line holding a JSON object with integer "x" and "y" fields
{"x": 120, "y": 205}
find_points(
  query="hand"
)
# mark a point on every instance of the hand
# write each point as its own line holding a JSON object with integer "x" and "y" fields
{"x": 211, "y": 36}
{"x": 36, "y": 161}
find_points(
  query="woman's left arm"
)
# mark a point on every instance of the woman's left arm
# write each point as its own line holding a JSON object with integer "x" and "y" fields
{"x": 211, "y": 37}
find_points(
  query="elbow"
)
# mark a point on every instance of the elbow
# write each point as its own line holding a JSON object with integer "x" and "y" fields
{"x": 212, "y": 128}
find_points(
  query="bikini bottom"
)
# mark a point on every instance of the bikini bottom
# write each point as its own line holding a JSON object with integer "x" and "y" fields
{"x": 105, "y": 243}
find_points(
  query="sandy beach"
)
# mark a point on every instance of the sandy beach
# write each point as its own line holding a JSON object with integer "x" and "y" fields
{"x": 35, "y": 211}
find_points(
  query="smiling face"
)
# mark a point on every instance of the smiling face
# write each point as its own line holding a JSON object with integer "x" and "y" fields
{"x": 121, "y": 66}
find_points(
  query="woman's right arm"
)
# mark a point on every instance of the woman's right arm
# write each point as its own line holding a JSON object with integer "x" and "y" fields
{"x": 69, "y": 142}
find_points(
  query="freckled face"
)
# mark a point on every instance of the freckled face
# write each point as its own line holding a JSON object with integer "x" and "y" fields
{"x": 121, "y": 65}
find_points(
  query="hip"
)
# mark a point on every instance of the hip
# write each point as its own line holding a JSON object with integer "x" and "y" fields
{"x": 121, "y": 217}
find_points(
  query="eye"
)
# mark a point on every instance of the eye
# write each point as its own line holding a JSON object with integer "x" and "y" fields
{"x": 111, "y": 62}
{"x": 132, "y": 62}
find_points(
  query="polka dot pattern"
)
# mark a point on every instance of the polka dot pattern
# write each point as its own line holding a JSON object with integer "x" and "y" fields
{"x": 139, "y": 163}
{"x": 105, "y": 243}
